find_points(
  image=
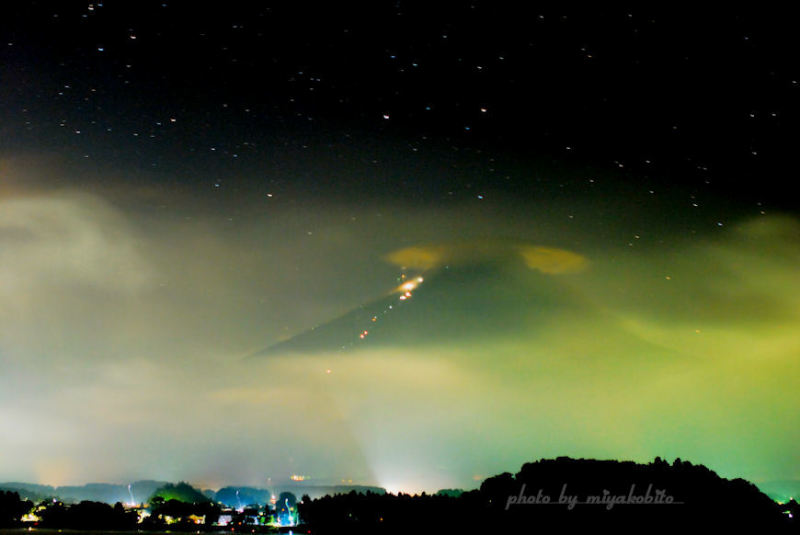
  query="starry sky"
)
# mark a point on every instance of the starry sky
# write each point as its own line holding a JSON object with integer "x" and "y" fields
{"x": 402, "y": 245}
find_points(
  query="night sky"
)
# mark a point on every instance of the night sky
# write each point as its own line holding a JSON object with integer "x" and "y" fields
{"x": 404, "y": 244}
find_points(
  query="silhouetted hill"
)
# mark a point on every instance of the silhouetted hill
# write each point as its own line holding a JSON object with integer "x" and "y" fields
{"x": 241, "y": 496}
{"x": 561, "y": 494}
{"x": 138, "y": 492}
{"x": 182, "y": 492}
{"x": 318, "y": 491}
{"x": 142, "y": 491}
{"x": 29, "y": 491}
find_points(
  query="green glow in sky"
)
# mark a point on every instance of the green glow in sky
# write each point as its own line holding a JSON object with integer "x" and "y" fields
{"x": 127, "y": 316}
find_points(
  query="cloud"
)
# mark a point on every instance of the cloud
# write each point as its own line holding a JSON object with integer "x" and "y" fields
{"x": 552, "y": 261}
{"x": 548, "y": 260}
{"x": 65, "y": 242}
{"x": 125, "y": 319}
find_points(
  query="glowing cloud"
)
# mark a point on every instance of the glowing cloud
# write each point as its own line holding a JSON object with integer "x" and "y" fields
{"x": 549, "y": 260}
{"x": 423, "y": 257}
{"x": 552, "y": 261}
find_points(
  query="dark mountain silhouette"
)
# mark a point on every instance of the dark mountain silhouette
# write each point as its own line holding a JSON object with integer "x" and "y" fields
{"x": 449, "y": 303}
{"x": 659, "y": 496}
{"x": 29, "y": 491}
{"x": 259, "y": 496}
{"x": 143, "y": 490}
{"x": 318, "y": 491}
{"x": 97, "y": 492}
{"x": 560, "y": 494}
{"x": 241, "y": 496}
